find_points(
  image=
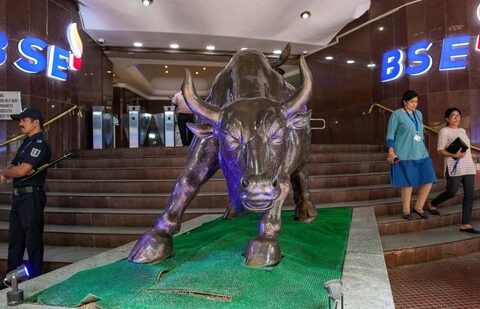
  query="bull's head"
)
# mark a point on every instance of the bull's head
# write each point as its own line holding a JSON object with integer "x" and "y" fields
{"x": 252, "y": 134}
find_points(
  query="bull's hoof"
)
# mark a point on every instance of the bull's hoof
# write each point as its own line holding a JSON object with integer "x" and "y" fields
{"x": 263, "y": 251}
{"x": 153, "y": 246}
{"x": 305, "y": 212}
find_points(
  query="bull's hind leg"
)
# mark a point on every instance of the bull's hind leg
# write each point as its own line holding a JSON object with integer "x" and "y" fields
{"x": 156, "y": 244}
{"x": 305, "y": 210}
{"x": 264, "y": 250}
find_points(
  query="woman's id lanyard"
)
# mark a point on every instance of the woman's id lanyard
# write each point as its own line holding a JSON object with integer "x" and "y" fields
{"x": 413, "y": 118}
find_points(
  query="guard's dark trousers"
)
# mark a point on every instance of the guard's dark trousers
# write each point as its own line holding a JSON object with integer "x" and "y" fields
{"x": 185, "y": 133}
{"x": 26, "y": 231}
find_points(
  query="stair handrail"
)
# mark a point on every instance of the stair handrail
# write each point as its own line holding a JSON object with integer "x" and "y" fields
{"x": 47, "y": 123}
{"x": 426, "y": 127}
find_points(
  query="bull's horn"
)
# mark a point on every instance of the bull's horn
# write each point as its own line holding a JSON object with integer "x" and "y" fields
{"x": 303, "y": 94}
{"x": 205, "y": 111}
{"x": 283, "y": 57}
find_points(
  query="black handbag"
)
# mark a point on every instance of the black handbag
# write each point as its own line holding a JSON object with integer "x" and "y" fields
{"x": 457, "y": 145}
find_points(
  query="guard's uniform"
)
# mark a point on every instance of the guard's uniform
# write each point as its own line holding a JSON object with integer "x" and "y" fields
{"x": 28, "y": 202}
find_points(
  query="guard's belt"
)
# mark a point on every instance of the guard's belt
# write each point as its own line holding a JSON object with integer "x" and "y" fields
{"x": 23, "y": 190}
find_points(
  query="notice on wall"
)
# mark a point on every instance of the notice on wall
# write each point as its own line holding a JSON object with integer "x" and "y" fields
{"x": 10, "y": 103}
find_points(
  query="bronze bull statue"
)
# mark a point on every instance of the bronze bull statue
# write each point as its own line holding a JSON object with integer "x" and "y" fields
{"x": 260, "y": 137}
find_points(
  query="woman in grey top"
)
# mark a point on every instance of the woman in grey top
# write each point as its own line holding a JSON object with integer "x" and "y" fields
{"x": 459, "y": 169}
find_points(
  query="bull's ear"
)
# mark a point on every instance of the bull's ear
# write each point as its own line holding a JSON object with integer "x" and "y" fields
{"x": 200, "y": 129}
{"x": 300, "y": 120}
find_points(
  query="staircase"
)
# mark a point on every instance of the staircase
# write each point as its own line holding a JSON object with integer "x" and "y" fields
{"x": 100, "y": 199}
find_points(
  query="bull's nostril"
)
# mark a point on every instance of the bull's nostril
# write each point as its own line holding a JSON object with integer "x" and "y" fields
{"x": 275, "y": 183}
{"x": 245, "y": 182}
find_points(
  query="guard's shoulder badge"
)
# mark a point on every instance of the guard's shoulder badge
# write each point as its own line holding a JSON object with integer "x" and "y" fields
{"x": 35, "y": 152}
{"x": 39, "y": 141}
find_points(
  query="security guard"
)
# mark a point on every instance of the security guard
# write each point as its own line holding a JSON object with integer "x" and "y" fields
{"x": 29, "y": 199}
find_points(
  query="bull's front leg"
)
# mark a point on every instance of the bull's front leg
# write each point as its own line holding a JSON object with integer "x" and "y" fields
{"x": 157, "y": 244}
{"x": 264, "y": 250}
{"x": 305, "y": 210}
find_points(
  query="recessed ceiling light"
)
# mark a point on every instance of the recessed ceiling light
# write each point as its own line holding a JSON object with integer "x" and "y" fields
{"x": 204, "y": 68}
{"x": 196, "y": 73}
{"x": 174, "y": 45}
{"x": 109, "y": 72}
{"x": 147, "y": 2}
{"x": 277, "y": 51}
{"x": 166, "y": 67}
{"x": 371, "y": 65}
{"x": 138, "y": 44}
{"x": 329, "y": 58}
{"x": 243, "y": 48}
{"x": 305, "y": 52}
{"x": 210, "y": 47}
{"x": 381, "y": 28}
{"x": 166, "y": 72}
{"x": 305, "y": 15}
{"x": 350, "y": 61}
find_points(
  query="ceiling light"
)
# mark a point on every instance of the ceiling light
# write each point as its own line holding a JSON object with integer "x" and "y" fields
{"x": 166, "y": 67}
{"x": 329, "y": 58}
{"x": 204, "y": 68}
{"x": 243, "y": 48}
{"x": 277, "y": 51}
{"x": 305, "y": 52}
{"x": 174, "y": 45}
{"x": 196, "y": 73}
{"x": 210, "y": 47}
{"x": 371, "y": 65}
{"x": 138, "y": 44}
{"x": 381, "y": 28}
{"x": 350, "y": 61}
{"x": 147, "y": 2}
{"x": 109, "y": 72}
{"x": 166, "y": 72}
{"x": 305, "y": 15}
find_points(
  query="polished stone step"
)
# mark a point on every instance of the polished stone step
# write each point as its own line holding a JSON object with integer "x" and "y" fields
{"x": 173, "y": 172}
{"x": 450, "y": 215}
{"x": 83, "y": 236}
{"x": 177, "y": 161}
{"x": 54, "y": 256}
{"x": 396, "y": 209}
{"x": 213, "y": 185}
{"x": 107, "y": 216}
{"x": 219, "y": 199}
{"x": 429, "y": 245}
{"x": 162, "y": 151}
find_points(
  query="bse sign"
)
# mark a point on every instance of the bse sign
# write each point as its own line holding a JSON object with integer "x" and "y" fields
{"x": 417, "y": 61}
{"x": 55, "y": 63}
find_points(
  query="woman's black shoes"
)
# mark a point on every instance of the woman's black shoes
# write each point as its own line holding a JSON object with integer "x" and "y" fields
{"x": 421, "y": 214}
{"x": 470, "y": 230}
{"x": 434, "y": 212}
{"x": 407, "y": 217}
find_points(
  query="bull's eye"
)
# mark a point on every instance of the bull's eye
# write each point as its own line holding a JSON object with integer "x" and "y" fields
{"x": 231, "y": 142}
{"x": 276, "y": 137}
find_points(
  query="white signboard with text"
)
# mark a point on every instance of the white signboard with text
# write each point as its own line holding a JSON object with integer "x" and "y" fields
{"x": 10, "y": 103}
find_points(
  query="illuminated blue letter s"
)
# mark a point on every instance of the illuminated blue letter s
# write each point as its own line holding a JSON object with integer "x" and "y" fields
{"x": 419, "y": 61}
{"x": 392, "y": 65}
{"x": 33, "y": 61}
{"x": 3, "y": 46}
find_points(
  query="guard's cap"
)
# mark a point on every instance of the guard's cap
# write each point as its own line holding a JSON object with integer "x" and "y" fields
{"x": 29, "y": 113}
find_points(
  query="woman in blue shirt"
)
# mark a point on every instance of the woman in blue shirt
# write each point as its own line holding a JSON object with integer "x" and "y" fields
{"x": 411, "y": 165}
